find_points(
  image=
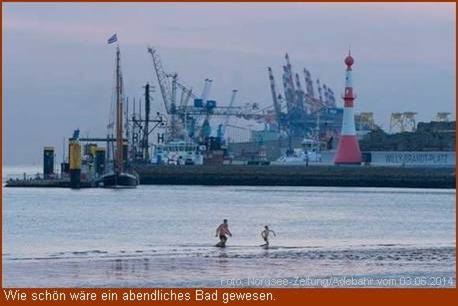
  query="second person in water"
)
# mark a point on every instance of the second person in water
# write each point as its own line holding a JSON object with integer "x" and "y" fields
{"x": 265, "y": 234}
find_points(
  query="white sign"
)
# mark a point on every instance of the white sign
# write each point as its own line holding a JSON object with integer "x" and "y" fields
{"x": 414, "y": 158}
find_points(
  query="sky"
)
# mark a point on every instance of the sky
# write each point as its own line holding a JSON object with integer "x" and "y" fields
{"x": 58, "y": 69}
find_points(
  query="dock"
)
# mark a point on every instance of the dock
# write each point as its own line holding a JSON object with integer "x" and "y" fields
{"x": 43, "y": 183}
{"x": 276, "y": 175}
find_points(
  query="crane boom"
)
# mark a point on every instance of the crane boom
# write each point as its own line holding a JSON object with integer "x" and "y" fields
{"x": 309, "y": 83}
{"x": 162, "y": 79}
{"x": 173, "y": 103}
{"x": 186, "y": 95}
{"x": 277, "y": 106}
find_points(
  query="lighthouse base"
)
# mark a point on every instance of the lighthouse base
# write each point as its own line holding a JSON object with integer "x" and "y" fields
{"x": 348, "y": 152}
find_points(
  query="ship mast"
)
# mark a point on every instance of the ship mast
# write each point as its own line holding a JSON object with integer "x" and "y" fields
{"x": 119, "y": 97}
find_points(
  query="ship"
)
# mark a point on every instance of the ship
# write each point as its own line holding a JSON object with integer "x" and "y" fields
{"x": 179, "y": 153}
{"x": 118, "y": 177}
{"x": 310, "y": 152}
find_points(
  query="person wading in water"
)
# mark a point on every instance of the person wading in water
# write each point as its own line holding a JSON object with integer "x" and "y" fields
{"x": 265, "y": 235}
{"x": 223, "y": 231}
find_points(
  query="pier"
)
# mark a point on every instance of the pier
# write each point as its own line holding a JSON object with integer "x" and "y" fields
{"x": 274, "y": 175}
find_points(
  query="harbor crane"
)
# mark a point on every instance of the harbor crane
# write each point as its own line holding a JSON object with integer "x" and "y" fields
{"x": 185, "y": 117}
{"x": 294, "y": 110}
{"x": 222, "y": 127}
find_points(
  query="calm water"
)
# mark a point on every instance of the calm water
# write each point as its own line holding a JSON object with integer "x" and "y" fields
{"x": 164, "y": 235}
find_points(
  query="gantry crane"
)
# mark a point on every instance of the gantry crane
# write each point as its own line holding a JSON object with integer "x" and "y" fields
{"x": 403, "y": 122}
{"x": 442, "y": 116}
{"x": 186, "y": 118}
{"x": 222, "y": 127}
{"x": 297, "y": 109}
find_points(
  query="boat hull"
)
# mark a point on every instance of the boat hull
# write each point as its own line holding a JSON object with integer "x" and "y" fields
{"x": 120, "y": 180}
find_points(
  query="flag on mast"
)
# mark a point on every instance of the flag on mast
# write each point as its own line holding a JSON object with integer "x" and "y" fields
{"x": 113, "y": 39}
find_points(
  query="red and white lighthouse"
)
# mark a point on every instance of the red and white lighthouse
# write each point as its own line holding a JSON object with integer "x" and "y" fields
{"x": 348, "y": 151}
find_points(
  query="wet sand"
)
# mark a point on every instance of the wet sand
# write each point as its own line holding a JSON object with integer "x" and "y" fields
{"x": 237, "y": 266}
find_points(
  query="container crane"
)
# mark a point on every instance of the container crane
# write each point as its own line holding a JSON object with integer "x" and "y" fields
{"x": 309, "y": 84}
{"x": 168, "y": 92}
{"x": 277, "y": 105}
{"x": 296, "y": 108}
{"x": 222, "y": 127}
{"x": 186, "y": 117}
{"x": 206, "y": 90}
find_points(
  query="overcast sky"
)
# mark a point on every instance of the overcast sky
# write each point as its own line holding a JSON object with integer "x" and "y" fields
{"x": 58, "y": 69}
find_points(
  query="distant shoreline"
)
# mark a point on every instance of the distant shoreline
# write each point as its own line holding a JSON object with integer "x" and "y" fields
{"x": 275, "y": 175}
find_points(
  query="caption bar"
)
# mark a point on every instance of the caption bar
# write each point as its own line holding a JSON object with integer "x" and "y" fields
{"x": 139, "y": 295}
